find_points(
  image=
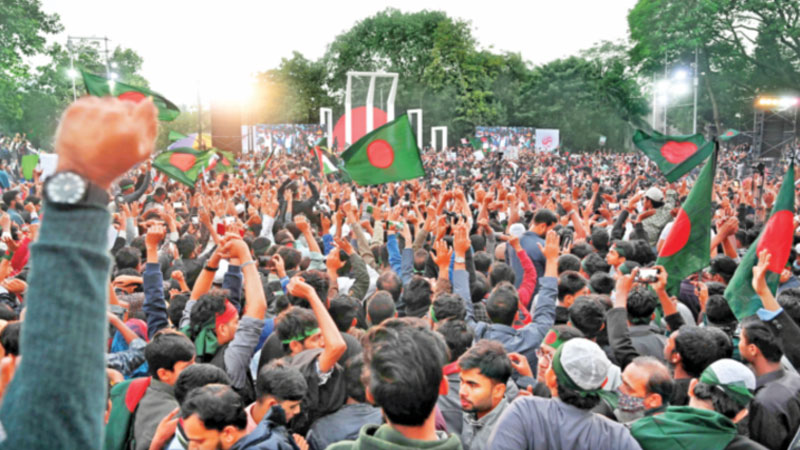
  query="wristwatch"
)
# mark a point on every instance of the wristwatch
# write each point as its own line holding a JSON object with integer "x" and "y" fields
{"x": 70, "y": 189}
{"x": 460, "y": 259}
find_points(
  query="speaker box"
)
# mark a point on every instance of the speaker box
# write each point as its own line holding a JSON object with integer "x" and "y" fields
{"x": 226, "y": 127}
{"x": 775, "y": 128}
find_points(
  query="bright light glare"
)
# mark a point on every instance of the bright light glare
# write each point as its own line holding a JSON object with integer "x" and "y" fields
{"x": 662, "y": 99}
{"x": 678, "y": 89}
{"x": 228, "y": 87}
{"x": 72, "y": 73}
{"x": 114, "y": 64}
{"x": 113, "y": 76}
{"x": 662, "y": 86}
{"x": 681, "y": 74}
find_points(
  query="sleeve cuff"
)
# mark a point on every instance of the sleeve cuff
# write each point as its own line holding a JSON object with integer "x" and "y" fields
{"x": 767, "y": 315}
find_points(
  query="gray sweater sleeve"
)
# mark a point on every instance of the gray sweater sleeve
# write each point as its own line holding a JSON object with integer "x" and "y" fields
{"x": 240, "y": 350}
{"x": 64, "y": 336}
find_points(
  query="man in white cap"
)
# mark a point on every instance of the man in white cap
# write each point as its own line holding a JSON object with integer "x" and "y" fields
{"x": 717, "y": 401}
{"x": 575, "y": 378}
{"x": 657, "y": 209}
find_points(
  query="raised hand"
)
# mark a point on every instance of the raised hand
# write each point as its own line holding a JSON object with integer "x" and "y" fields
{"x": 443, "y": 254}
{"x": 760, "y": 272}
{"x": 155, "y": 234}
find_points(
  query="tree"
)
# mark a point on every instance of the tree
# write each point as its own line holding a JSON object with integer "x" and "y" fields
{"x": 293, "y": 92}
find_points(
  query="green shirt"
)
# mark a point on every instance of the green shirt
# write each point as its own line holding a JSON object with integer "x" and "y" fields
{"x": 384, "y": 437}
{"x": 684, "y": 427}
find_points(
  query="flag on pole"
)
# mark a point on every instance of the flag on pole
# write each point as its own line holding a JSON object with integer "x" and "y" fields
{"x": 388, "y": 153}
{"x": 222, "y": 161}
{"x": 687, "y": 248}
{"x": 674, "y": 155}
{"x": 479, "y": 145}
{"x": 776, "y": 236}
{"x": 100, "y": 86}
{"x": 182, "y": 164}
{"x": 266, "y": 161}
{"x": 728, "y": 135}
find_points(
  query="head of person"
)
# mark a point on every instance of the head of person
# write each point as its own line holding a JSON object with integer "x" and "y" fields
{"x": 578, "y": 372}
{"x": 9, "y": 338}
{"x": 646, "y": 386}
{"x": 618, "y": 253}
{"x": 389, "y": 281}
{"x": 214, "y": 417}
{"x": 198, "y": 375}
{"x": 167, "y": 355}
{"x": 641, "y": 305}
{"x": 593, "y": 263}
{"x": 160, "y": 194}
{"x": 503, "y": 304}
{"x": 353, "y": 368}
{"x": 759, "y": 344}
{"x": 587, "y": 315}
{"x": 403, "y": 361}
{"x": 722, "y": 269}
{"x": 214, "y": 313}
{"x": 187, "y": 246}
{"x": 479, "y": 290}
{"x": 602, "y": 283}
{"x": 570, "y": 286}
{"x": 600, "y": 239}
{"x": 11, "y": 199}
{"x": 128, "y": 258}
{"x": 317, "y": 280}
{"x": 380, "y": 307}
{"x": 126, "y": 186}
{"x": 282, "y": 385}
{"x": 719, "y": 313}
{"x": 568, "y": 262}
{"x": 458, "y": 336}
{"x": 500, "y": 272}
{"x": 789, "y": 299}
{"x": 417, "y": 296}
{"x": 485, "y": 370}
{"x": 420, "y": 259}
{"x": 175, "y": 309}
{"x": 298, "y": 330}
{"x": 653, "y": 198}
{"x": 446, "y": 306}
{"x": 543, "y": 221}
{"x": 553, "y": 340}
{"x": 482, "y": 262}
{"x": 692, "y": 349}
{"x": 725, "y": 386}
{"x": 344, "y": 312}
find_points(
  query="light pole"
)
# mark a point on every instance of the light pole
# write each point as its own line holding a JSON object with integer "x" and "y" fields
{"x": 670, "y": 87}
{"x": 74, "y": 74}
{"x": 694, "y": 93}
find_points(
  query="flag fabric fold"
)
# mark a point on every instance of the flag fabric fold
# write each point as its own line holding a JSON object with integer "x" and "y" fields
{"x": 100, "y": 86}
{"x": 182, "y": 164}
{"x": 388, "y": 153}
{"x": 728, "y": 134}
{"x": 776, "y": 236}
{"x": 674, "y": 155}
{"x": 687, "y": 248}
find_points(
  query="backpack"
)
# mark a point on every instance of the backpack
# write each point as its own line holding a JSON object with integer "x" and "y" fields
{"x": 125, "y": 398}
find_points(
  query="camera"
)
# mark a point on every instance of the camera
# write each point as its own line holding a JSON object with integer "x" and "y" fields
{"x": 647, "y": 276}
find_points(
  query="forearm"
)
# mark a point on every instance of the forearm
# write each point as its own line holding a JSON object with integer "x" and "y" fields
{"x": 70, "y": 268}
{"x": 154, "y": 307}
{"x": 313, "y": 246}
{"x": 255, "y": 301}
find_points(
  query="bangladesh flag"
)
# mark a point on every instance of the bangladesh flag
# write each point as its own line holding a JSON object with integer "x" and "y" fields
{"x": 266, "y": 162}
{"x": 728, "y": 135}
{"x": 674, "y": 155}
{"x": 687, "y": 248}
{"x": 325, "y": 165}
{"x": 775, "y": 237}
{"x": 100, "y": 86}
{"x": 222, "y": 161}
{"x": 388, "y": 153}
{"x": 182, "y": 164}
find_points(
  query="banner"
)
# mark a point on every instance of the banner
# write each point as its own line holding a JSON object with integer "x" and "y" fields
{"x": 546, "y": 140}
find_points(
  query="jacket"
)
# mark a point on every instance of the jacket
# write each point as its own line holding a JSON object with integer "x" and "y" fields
{"x": 384, "y": 437}
{"x": 342, "y": 425}
{"x": 270, "y": 434}
{"x": 475, "y": 432}
{"x": 157, "y": 403}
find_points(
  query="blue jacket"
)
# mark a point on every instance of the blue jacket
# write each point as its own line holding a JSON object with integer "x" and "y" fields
{"x": 270, "y": 434}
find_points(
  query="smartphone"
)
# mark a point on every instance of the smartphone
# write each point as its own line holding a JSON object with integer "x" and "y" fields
{"x": 177, "y": 205}
{"x": 647, "y": 276}
{"x": 195, "y": 220}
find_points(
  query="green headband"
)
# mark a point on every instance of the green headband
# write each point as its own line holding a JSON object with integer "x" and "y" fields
{"x": 307, "y": 334}
{"x": 737, "y": 391}
{"x": 432, "y": 314}
{"x": 620, "y": 251}
{"x": 126, "y": 187}
{"x": 564, "y": 380}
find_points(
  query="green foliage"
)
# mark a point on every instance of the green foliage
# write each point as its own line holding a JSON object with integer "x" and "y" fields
{"x": 293, "y": 92}
{"x": 187, "y": 122}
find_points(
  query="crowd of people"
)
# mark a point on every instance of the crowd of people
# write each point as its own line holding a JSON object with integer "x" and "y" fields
{"x": 487, "y": 305}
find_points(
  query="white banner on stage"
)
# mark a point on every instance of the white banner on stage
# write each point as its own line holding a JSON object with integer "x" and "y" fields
{"x": 546, "y": 140}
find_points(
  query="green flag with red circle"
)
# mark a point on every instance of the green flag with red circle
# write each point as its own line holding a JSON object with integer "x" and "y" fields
{"x": 687, "y": 248}
{"x": 182, "y": 164}
{"x": 100, "y": 87}
{"x": 388, "y": 153}
{"x": 675, "y": 156}
{"x": 728, "y": 134}
{"x": 776, "y": 236}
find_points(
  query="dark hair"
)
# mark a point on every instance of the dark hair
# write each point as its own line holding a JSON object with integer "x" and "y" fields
{"x": 718, "y": 311}
{"x": 281, "y": 381}
{"x": 789, "y": 299}
{"x": 159, "y": 192}
{"x": 343, "y": 309}
{"x": 478, "y": 243}
{"x": 206, "y": 308}
{"x": 9, "y": 196}
{"x": 588, "y": 316}
{"x": 724, "y": 342}
{"x": 380, "y": 307}
{"x": 642, "y": 252}
{"x": 626, "y": 248}
{"x": 580, "y": 250}
{"x": 198, "y": 375}
{"x": 9, "y": 338}
{"x": 479, "y": 288}
{"x": 490, "y": 357}
{"x": 217, "y": 406}
{"x": 763, "y": 336}
{"x": 389, "y": 281}
{"x": 716, "y": 288}
{"x": 458, "y": 336}
{"x": 545, "y": 216}
{"x": 503, "y": 304}
{"x": 417, "y": 296}
{"x": 569, "y": 283}
{"x": 165, "y": 350}
{"x": 294, "y": 322}
{"x": 659, "y": 380}
{"x": 405, "y": 360}
{"x": 642, "y": 303}
{"x": 353, "y": 369}
{"x": 186, "y": 245}
{"x": 291, "y": 257}
{"x": 482, "y": 261}
{"x": 570, "y": 397}
{"x": 722, "y": 403}
{"x": 501, "y": 272}
{"x": 6, "y": 313}
{"x": 594, "y": 263}
{"x": 175, "y": 309}
{"x": 568, "y": 262}
{"x": 449, "y": 306}
{"x": 600, "y": 239}
{"x": 602, "y": 283}
{"x": 697, "y": 348}
{"x": 317, "y": 280}
{"x": 127, "y": 258}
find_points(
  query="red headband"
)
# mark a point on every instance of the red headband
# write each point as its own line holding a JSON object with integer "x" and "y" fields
{"x": 226, "y": 316}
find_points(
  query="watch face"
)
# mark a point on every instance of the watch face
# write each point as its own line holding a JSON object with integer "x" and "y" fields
{"x": 66, "y": 187}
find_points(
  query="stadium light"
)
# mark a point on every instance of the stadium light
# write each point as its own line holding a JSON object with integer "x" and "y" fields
{"x": 680, "y": 75}
{"x": 769, "y": 102}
